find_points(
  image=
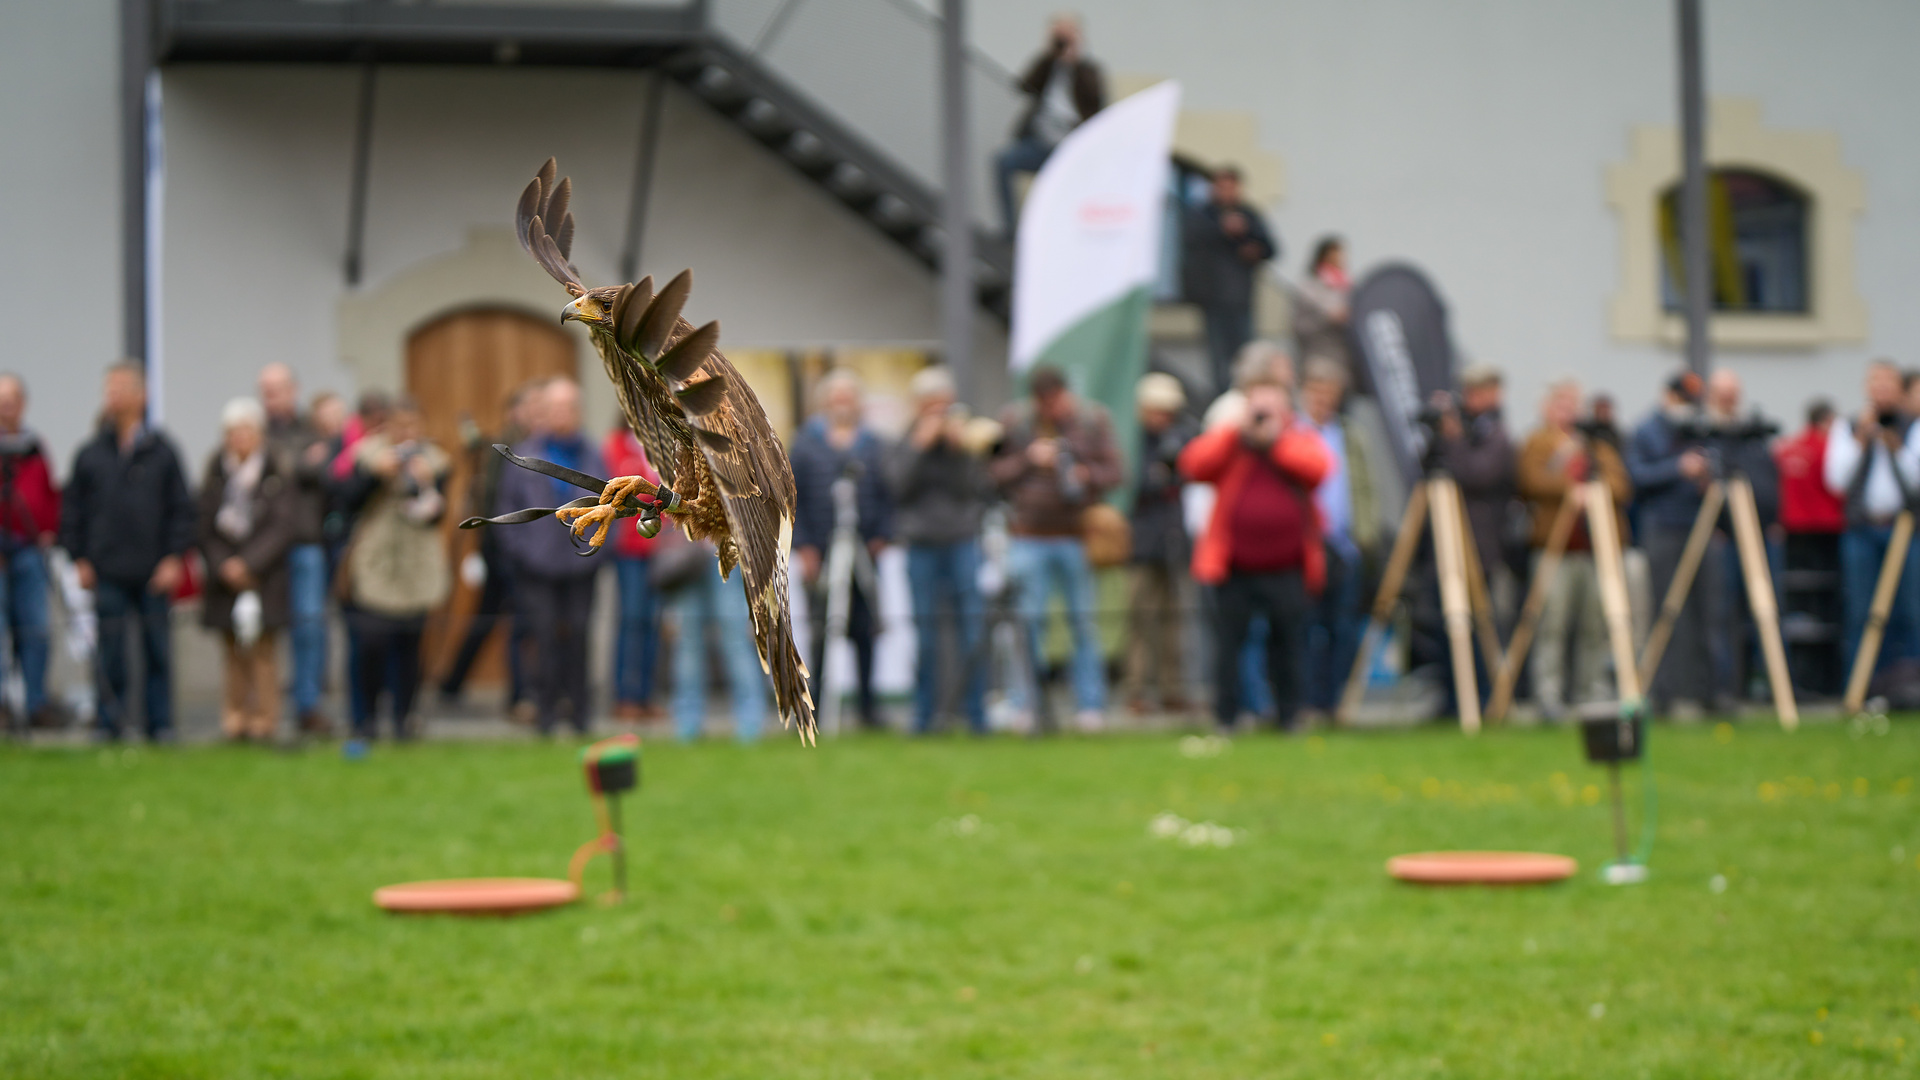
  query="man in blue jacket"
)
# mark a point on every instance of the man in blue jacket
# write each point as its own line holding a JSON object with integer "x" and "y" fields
{"x": 1669, "y": 474}
{"x": 835, "y": 444}
{"x": 552, "y": 585}
{"x": 127, "y": 521}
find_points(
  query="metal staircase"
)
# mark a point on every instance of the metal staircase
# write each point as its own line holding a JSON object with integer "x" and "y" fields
{"x": 837, "y": 89}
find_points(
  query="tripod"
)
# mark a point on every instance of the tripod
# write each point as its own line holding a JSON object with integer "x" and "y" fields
{"x": 1464, "y": 603}
{"x": 1603, "y": 530}
{"x": 1736, "y": 493}
{"x": 847, "y": 559}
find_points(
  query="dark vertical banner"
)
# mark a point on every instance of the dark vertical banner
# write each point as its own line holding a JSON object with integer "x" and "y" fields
{"x": 1399, "y": 326}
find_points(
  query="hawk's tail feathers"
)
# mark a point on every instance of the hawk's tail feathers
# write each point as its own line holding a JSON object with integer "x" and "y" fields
{"x": 780, "y": 659}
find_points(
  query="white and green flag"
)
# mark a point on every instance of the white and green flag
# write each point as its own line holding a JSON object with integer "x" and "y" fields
{"x": 1088, "y": 251}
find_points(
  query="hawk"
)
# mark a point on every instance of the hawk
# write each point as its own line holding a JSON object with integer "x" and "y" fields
{"x": 724, "y": 475}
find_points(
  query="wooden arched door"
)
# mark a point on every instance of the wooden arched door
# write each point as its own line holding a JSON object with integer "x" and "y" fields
{"x": 461, "y": 368}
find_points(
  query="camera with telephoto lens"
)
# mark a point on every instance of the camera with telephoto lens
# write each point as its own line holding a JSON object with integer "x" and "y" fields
{"x": 1699, "y": 429}
{"x": 1071, "y": 489}
{"x": 403, "y": 476}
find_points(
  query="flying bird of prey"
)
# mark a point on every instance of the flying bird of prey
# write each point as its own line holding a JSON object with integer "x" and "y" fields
{"x": 725, "y": 476}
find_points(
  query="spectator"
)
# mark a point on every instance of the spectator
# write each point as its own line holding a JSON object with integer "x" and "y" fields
{"x": 1349, "y": 514}
{"x": 396, "y": 563}
{"x": 495, "y": 605}
{"x": 1057, "y": 459}
{"x": 1473, "y": 448}
{"x": 1262, "y": 544}
{"x": 1556, "y": 459}
{"x": 1156, "y": 657}
{"x": 943, "y": 488}
{"x": 1807, "y": 508}
{"x": 29, "y": 518}
{"x": 1741, "y": 445}
{"x": 834, "y": 444}
{"x": 1224, "y": 242}
{"x": 688, "y": 576}
{"x": 1066, "y": 89}
{"x": 636, "y": 648}
{"x": 1873, "y": 465}
{"x": 127, "y": 521}
{"x": 1669, "y": 472}
{"x": 1320, "y": 305}
{"x": 552, "y": 584}
{"x": 294, "y": 439}
{"x": 1741, "y": 442}
{"x": 250, "y": 516}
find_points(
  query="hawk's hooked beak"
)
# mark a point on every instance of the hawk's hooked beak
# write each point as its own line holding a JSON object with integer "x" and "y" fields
{"x": 586, "y": 310}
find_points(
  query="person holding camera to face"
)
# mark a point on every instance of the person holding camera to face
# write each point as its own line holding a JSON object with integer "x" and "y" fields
{"x": 940, "y": 476}
{"x": 1873, "y": 465}
{"x": 1670, "y": 470}
{"x": 1261, "y": 549}
{"x": 1066, "y": 89}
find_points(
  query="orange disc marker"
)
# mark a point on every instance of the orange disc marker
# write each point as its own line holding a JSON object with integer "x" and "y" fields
{"x": 477, "y": 896}
{"x": 1482, "y": 868}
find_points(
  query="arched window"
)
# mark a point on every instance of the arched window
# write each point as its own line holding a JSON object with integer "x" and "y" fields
{"x": 1756, "y": 243}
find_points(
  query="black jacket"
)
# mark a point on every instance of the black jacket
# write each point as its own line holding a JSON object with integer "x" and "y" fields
{"x": 1089, "y": 89}
{"x": 1482, "y": 462}
{"x": 1159, "y": 522}
{"x": 1212, "y": 271}
{"x": 125, "y": 512}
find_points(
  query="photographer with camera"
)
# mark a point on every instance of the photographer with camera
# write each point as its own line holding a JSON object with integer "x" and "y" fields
{"x": 1559, "y": 457}
{"x": 1670, "y": 469}
{"x": 1873, "y": 464}
{"x": 1261, "y": 548}
{"x": 395, "y": 569}
{"x": 1743, "y": 445}
{"x": 942, "y": 485}
{"x": 1058, "y": 458}
{"x": 1066, "y": 89}
{"x": 1471, "y": 445}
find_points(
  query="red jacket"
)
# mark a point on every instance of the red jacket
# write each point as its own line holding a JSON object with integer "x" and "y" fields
{"x": 29, "y": 504}
{"x": 626, "y": 457}
{"x": 1806, "y": 506}
{"x": 1220, "y": 458}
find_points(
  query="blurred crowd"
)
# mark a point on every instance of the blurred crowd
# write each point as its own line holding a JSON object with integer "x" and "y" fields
{"x": 1251, "y": 518}
{"x": 1253, "y": 539}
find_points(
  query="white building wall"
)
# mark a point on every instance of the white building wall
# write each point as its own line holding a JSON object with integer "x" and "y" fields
{"x": 1471, "y": 138}
{"x": 60, "y": 233}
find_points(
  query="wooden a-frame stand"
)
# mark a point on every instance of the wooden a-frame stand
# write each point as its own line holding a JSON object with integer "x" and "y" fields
{"x": 1735, "y": 493}
{"x": 1884, "y": 591}
{"x": 1464, "y": 602}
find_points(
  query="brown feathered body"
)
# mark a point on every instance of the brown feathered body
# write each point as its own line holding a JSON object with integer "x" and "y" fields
{"x": 703, "y": 428}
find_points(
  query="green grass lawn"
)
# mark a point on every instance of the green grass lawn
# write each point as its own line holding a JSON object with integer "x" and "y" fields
{"x": 952, "y": 909}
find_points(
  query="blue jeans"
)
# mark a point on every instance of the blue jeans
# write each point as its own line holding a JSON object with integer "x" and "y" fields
{"x": 1862, "y": 549}
{"x": 1022, "y": 155}
{"x": 1039, "y": 565}
{"x": 1333, "y": 631}
{"x": 23, "y": 603}
{"x": 704, "y": 601}
{"x": 947, "y": 574}
{"x": 636, "y": 651}
{"x": 307, "y": 593}
{"x": 119, "y": 604}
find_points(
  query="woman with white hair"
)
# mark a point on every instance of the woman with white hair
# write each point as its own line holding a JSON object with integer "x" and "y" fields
{"x": 246, "y": 525}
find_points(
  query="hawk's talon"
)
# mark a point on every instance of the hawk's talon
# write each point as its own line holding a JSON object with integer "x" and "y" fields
{"x": 582, "y": 519}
